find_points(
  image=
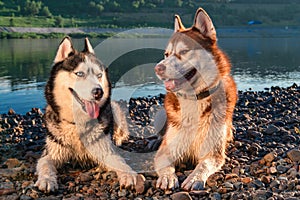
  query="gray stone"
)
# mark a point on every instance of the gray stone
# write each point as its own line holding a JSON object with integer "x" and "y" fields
{"x": 272, "y": 129}
{"x": 228, "y": 185}
{"x": 122, "y": 193}
{"x": 274, "y": 183}
{"x": 215, "y": 196}
{"x": 294, "y": 155}
{"x": 85, "y": 177}
{"x": 281, "y": 169}
{"x": 181, "y": 196}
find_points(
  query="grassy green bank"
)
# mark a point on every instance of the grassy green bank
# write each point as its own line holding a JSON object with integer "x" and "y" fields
{"x": 141, "y": 13}
{"x": 16, "y": 35}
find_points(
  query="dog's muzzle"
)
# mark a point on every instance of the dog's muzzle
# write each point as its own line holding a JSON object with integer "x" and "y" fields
{"x": 91, "y": 107}
{"x": 173, "y": 83}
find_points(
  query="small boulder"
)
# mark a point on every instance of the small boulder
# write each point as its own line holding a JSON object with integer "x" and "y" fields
{"x": 294, "y": 155}
{"x": 181, "y": 196}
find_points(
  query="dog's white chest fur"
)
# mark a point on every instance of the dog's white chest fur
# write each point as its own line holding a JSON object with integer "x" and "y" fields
{"x": 189, "y": 114}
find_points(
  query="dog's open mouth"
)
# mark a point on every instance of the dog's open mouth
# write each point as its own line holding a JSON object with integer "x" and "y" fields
{"x": 173, "y": 84}
{"x": 90, "y": 107}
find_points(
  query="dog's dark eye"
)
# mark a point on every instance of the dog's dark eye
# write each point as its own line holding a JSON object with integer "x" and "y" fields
{"x": 166, "y": 54}
{"x": 99, "y": 75}
{"x": 183, "y": 52}
{"x": 80, "y": 74}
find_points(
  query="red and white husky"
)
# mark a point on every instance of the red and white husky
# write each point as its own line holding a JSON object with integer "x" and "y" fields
{"x": 200, "y": 100}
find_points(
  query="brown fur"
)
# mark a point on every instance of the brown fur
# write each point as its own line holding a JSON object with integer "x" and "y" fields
{"x": 196, "y": 129}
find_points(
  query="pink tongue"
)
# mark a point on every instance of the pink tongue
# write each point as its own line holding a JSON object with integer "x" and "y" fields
{"x": 170, "y": 85}
{"x": 92, "y": 109}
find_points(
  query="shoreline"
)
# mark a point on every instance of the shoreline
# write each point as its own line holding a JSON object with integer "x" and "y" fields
{"x": 263, "y": 159}
{"x": 80, "y": 32}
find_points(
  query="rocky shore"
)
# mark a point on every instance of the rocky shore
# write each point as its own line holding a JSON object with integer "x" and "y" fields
{"x": 263, "y": 159}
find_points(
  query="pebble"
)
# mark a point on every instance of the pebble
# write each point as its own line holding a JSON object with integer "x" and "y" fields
{"x": 7, "y": 187}
{"x": 274, "y": 183}
{"x": 122, "y": 193}
{"x": 181, "y": 196}
{"x": 215, "y": 196}
{"x": 273, "y": 170}
{"x": 246, "y": 180}
{"x": 272, "y": 129}
{"x": 266, "y": 179}
{"x": 85, "y": 177}
{"x": 258, "y": 183}
{"x": 238, "y": 185}
{"x": 26, "y": 184}
{"x": 281, "y": 169}
{"x": 263, "y": 160}
{"x": 270, "y": 157}
{"x": 294, "y": 155}
{"x": 260, "y": 194}
{"x": 231, "y": 176}
{"x": 12, "y": 163}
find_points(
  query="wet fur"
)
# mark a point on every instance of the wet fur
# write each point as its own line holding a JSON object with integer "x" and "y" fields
{"x": 72, "y": 134}
{"x": 197, "y": 130}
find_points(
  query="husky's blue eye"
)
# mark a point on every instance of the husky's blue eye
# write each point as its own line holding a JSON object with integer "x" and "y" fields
{"x": 80, "y": 74}
{"x": 99, "y": 75}
{"x": 183, "y": 52}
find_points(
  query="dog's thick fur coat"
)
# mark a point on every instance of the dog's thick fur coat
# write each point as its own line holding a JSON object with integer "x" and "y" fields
{"x": 200, "y": 100}
{"x": 80, "y": 118}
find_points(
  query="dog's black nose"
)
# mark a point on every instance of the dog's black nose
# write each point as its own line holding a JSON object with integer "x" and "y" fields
{"x": 159, "y": 69}
{"x": 97, "y": 93}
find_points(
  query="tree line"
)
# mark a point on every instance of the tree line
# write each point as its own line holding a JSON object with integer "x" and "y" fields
{"x": 223, "y": 12}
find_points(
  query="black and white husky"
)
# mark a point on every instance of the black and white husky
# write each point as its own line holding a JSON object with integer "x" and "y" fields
{"x": 79, "y": 118}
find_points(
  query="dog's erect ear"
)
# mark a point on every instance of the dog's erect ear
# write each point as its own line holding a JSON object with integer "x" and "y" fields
{"x": 178, "y": 24}
{"x": 204, "y": 24}
{"x": 64, "y": 49}
{"x": 88, "y": 47}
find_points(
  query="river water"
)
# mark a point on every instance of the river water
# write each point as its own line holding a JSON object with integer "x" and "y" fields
{"x": 257, "y": 62}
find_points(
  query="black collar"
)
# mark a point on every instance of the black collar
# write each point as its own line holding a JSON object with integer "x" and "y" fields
{"x": 200, "y": 95}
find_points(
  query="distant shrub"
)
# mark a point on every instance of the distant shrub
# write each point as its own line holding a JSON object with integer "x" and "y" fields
{"x": 59, "y": 21}
{"x": 32, "y": 7}
{"x": 46, "y": 12}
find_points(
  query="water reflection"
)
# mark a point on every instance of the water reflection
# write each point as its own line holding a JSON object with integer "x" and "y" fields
{"x": 257, "y": 63}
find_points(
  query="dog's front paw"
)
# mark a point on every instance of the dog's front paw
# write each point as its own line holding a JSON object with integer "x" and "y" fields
{"x": 127, "y": 180}
{"x": 193, "y": 182}
{"x": 167, "y": 181}
{"x": 47, "y": 184}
